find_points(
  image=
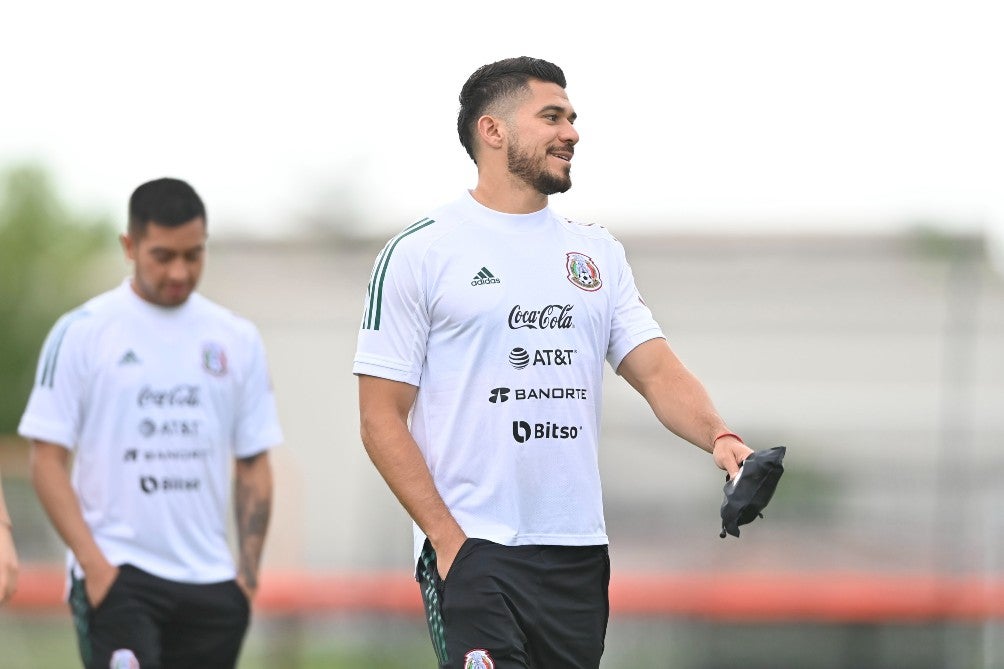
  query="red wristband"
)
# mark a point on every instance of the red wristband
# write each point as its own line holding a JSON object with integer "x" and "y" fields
{"x": 727, "y": 434}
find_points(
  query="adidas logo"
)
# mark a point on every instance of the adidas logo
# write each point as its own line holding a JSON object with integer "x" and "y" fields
{"x": 129, "y": 358}
{"x": 484, "y": 277}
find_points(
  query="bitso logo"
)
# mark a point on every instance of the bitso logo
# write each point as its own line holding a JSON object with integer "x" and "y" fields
{"x": 582, "y": 271}
{"x": 549, "y": 317}
{"x": 499, "y": 395}
{"x": 478, "y": 659}
{"x": 519, "y": 357}
{"x": 523, "y": 431}
{"x": 151, "y": 484}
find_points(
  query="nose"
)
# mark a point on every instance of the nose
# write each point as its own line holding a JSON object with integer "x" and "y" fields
{"x": 178, "y": 270}
{"x": 569, "y": 134}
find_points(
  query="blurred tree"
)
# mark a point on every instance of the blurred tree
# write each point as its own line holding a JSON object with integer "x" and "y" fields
{"x": 47, "y": 255}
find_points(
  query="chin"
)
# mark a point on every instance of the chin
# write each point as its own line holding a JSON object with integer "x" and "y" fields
{"x": 556, "y": 186}
{"x": 173, "y": 300}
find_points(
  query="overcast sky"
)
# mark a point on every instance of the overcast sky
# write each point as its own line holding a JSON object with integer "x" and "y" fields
{"x": 719, "y": 115}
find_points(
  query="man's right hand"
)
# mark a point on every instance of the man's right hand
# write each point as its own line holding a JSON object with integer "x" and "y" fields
{"x": 98, "y": 581}
{"x": 446, "y": 553}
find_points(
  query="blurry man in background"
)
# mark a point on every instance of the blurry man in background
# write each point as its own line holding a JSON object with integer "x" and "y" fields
{"x": 159, "y": 394}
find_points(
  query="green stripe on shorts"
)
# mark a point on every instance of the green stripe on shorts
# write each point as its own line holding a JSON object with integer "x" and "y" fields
{"x": 430, "y": 598}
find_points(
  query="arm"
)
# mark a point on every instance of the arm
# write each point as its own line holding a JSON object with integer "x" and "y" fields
{"x": 8, "y": 556}
{"x": 253, "y": 507}
{"x": 383, "y": 410}
{"x": 50, "y": 474}
{"x": 680, "y": 401}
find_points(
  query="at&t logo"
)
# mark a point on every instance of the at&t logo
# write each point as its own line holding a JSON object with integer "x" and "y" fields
{"x": 520, "y": 358}
{"x": 523, "y": 431}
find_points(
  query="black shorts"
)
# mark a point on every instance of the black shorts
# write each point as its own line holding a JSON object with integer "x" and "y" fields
{"x": 525, "y": 607}
{"x": 164, "y": 624}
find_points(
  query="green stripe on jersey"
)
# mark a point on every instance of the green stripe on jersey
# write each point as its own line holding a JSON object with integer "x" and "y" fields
{"x": 53, "y": 344}
{"x": 374, "y": 292}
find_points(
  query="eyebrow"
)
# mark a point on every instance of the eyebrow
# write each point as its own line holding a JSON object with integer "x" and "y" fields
{"x": 166, "y": 249}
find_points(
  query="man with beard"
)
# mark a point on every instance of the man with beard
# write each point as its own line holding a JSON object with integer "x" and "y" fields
{"x": 480, "y": 363}
{"x": 161, "y": 396}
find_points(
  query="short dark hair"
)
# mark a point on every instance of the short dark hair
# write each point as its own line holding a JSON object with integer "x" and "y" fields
{"x": 495, "y": 81}
{"x": 167, "y": 202}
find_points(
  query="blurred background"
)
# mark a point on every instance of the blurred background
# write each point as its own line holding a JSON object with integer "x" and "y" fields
{"x": 810, "y": 196}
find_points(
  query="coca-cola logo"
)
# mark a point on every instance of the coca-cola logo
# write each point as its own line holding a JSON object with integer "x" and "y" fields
{"x": 183, "y": 395}
{"x": 550, "y": 317}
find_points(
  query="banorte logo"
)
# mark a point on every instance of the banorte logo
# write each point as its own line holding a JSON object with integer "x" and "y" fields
{"x": 523, "y": 431}
{"x": 499, "y": 395}
{"x": 548, "y": 317}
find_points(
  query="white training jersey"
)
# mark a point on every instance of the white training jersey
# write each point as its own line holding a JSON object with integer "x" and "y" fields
{"x": 503, "y": 323}
{"x": 156, "y": 403}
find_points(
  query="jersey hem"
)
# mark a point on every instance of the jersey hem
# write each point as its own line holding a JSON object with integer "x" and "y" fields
{"x": 40, "y": 431}
{"x": 384, "y": 371}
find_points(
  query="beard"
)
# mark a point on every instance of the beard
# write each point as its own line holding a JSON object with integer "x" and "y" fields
{"x": 533, "y": 171}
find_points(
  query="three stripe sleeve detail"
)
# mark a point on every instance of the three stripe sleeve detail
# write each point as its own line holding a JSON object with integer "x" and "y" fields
{"x": 374, "y": 292}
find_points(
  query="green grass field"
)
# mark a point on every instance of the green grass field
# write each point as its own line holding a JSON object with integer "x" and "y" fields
{"x": 47, "y": 642}
{"x": 398, "y": 642}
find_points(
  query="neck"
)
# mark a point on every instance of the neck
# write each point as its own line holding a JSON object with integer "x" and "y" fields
{"x": 508, "y": 195}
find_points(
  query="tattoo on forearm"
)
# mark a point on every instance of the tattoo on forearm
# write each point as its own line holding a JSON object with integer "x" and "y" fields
{"x": 253, "y": 511}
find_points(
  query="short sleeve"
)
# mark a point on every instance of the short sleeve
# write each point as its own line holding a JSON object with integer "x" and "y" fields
{"x": 632, "y": 322}
{"x": 257, "y": 428}
{"x": 55, "y": 406}
{"x": 395, "y": 327}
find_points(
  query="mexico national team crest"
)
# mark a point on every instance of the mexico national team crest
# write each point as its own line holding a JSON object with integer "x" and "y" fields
{"x": 582, "y": 271}
{"x": 214, "y": 359}
{"x": 478, "y": 659}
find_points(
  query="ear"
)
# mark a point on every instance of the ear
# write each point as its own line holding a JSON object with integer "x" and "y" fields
{"x": 128, "y": 246}
{"x": 492, "y": 131}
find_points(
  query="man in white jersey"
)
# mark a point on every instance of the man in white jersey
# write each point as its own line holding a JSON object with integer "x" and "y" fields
{"x": 480, "y": 364}
{"x": 159, "y": 394}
